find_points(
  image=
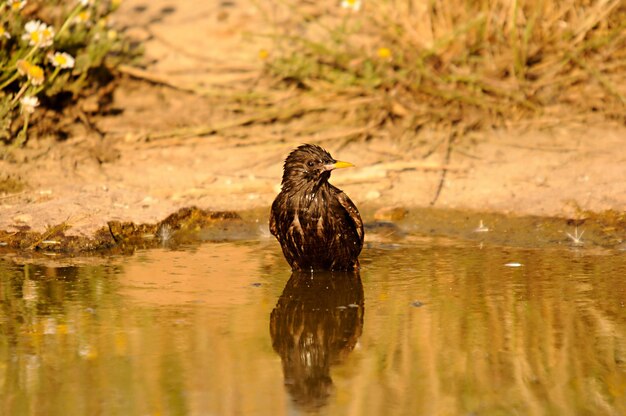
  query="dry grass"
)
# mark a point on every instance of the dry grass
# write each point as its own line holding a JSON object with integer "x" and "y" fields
{"x": 460, "y": 64}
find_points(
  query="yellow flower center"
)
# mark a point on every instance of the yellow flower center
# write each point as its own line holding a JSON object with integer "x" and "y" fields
{"x": 60, "y": 60}
{"x": 35, "y": 73}
{"x": 84, "y": 15}
{"x": 384, "y": 53}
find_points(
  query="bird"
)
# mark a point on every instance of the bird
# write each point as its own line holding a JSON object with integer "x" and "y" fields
{"x": 317, "y": 225}
{"x": 312, "y": 330}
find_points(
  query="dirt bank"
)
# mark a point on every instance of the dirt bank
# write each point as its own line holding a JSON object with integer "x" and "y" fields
{"x": 116, "y": 167}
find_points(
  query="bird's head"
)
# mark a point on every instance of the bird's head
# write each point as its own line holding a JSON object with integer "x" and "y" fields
{"x": 309, "y": 165}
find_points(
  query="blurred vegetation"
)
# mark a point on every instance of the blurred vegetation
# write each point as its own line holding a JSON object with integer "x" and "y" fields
{"x": 53, "y": 52}
{"x": 476, "y": 64}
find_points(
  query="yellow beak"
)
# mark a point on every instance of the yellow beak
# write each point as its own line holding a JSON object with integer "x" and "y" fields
{"x": 339, "y": 165}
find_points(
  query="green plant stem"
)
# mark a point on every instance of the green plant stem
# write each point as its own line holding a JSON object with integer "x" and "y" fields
{"x": 30, "y": 53}
{"x": 16, "y": 73}
{"x": 69, "y": 19}
{"x": 9, "y": 81}
{"x": 20, "y": 93}
{"x": 21, "y": 138}
{"x": 52, "y": 77}
{"x": 25, "y": 126}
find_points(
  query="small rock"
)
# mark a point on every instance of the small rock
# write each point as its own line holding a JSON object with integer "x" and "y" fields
{"x": 147, "y": 201}
{"x": 417, "y": 304}
{"x": 23, "y": 218}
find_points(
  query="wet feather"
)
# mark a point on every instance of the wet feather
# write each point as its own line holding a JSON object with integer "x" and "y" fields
{"x": 316, "y": 223}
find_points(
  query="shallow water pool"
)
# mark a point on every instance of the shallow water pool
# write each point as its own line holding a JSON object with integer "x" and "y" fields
{"x": 430, "y": 326}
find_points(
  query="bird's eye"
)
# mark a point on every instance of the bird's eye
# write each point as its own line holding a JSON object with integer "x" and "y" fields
{"x": 310, "y": 163}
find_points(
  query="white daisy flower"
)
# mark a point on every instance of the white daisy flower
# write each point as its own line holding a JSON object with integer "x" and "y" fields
{"x": 38, "y": 34}
{"x": 29, "y": 103}
{"x": 61, "y": 60}
{"x": 33, "y": 72}
{"x": 16, "y": 5}
{"x": 354, "y": 5}
{"x": 83, "y": 18}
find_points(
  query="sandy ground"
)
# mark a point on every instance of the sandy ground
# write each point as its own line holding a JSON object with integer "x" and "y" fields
{"x": 90, "y": 179}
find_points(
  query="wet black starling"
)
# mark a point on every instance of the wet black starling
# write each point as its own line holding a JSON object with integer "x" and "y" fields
{"x": 317, "y": 225}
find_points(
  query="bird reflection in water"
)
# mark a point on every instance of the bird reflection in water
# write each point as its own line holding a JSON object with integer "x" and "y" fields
{"x": 317, "y": 321}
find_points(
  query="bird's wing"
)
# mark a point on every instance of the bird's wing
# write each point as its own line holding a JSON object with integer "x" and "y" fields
{"x": 273, "y": 226}
{"x": 353, "y": 212}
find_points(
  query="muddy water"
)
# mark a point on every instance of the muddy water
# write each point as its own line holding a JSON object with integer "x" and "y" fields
{"x": 431, "y": 326}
